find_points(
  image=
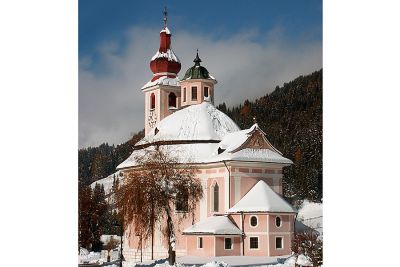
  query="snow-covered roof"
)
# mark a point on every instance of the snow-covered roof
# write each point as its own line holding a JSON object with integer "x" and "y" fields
{"x": 203, "y": 122}
{"x": 215, "y": 225}
{"x": 261, "y": 198}
{"x": 170, "y": 55}
{"x": 163, "y": 80}
{"x": 184, "y": 153}
{"x": 196, "y": 122}
{"x": 310, "y": 216}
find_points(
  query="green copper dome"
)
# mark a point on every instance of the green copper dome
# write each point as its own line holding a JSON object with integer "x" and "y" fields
{"x": 197, "y": 71}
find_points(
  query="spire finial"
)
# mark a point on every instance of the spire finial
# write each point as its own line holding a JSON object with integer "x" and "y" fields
{"x": 165, "y": 12}
{"x": 197, "y": 60}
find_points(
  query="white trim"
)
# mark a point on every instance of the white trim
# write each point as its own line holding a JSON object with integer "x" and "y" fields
{"x": 283, "y": 243}
{"x": 258, "y": 243}
{"x": 270, "y": 233}
{"x": 237, "y": 188}
{"x": 231, "y": 238}
{"x": 251, "y": 216}
{"x": 198, "y": 242}
{"x": 215, "y": 248}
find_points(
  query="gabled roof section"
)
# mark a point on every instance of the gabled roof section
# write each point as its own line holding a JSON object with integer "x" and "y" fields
{"x": 215, "y": 225}
{"x": 253, "y": 138}
{"x": 248, "y": 145}
{"x": 261, "y": 198}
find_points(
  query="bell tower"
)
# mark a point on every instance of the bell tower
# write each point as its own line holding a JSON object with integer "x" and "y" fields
{"x": 197, "y": 85}
{"x": 162, "y": 92}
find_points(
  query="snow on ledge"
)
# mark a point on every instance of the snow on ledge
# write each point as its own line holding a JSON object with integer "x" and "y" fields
{"x": 164, "y": 80}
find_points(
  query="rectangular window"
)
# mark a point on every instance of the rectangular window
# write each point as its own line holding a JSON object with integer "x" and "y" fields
{"x": 253, "y": 242}
{"x": 194, "y": 93}
{"x": 278, "y": 242}
{"x": 205, "y": 91}
{"x": 184, "y": 94}
{"x": 200, "y": 242}
{"x": 228, "y": 243}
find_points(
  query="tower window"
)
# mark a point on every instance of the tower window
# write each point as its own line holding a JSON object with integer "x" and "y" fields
{"x": 278, "y": 242}
{"x": 215, "y": 197}
{"x": 253, "y": 242}
{"x": 278, "y": 221}
{"x": 184, "y": 94}
{"x": 194, "y": 93}
{"x": 205, "y": 91}
{"x": 172, "y": 100}
{"x": 152, "y": 101}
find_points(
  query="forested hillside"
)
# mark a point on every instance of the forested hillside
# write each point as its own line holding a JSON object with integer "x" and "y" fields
{"x": 98, "y": 162}
{"x": 291, "y": 116}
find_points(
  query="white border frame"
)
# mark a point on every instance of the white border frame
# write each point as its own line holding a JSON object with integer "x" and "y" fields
{"x": 251, "y": 216}
{"x": 283, "y": 243}
{"x": 258, "y": 243}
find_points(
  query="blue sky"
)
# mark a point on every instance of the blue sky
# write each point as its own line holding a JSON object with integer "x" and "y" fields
{"x": 249, "y": 46}
{"x": 101, "y": 20}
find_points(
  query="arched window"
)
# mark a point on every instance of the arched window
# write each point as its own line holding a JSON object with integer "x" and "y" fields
{"x": 215, "y": 193}
{"x": 278, "y": 221}
{"x": 172, "y": 100}
{"x": 152, "y": 101}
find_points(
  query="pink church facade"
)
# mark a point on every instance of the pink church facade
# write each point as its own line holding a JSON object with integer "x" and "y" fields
{"x": 242, "y": 211}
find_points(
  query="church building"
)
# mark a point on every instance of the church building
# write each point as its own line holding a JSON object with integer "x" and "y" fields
{"x": 242, "y": 211}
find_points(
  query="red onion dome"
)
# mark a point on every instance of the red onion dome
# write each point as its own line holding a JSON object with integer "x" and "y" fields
{"x": 165, "y": 62}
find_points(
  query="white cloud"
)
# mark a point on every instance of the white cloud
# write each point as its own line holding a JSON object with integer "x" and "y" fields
{"x": 111, "y": 102}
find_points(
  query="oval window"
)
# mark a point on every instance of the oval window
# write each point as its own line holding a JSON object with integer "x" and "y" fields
{"x": 278, "y": 221}
{"x": 253, "y": 221}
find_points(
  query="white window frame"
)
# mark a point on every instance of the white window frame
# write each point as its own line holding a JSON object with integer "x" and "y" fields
{"x": 250, "y": 221}
{"x": 231, "y": 238}
{"x": 277, "y": 216}
{"x": 198, "y": 242}
{"x": 283, "y": 243}
{"x": 258, "y": 243}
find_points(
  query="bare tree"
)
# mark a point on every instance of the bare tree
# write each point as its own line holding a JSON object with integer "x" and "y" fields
{"x": 148, "y": 192}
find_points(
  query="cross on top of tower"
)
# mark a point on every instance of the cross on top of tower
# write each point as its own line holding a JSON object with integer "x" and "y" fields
{"x": 165, "y": 12}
